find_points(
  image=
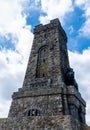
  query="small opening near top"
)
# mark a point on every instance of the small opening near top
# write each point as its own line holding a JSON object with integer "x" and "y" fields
{"x": 44, "y": 60}
{"x": 45, "y": 35}
{"x": 43, "y": 75}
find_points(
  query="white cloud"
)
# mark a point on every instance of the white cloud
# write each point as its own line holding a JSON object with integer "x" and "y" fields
{"x": 13, "y": 62}
{"x": 81, "y": 65}
{"x": 85, "y": 6}
{"x": 10, "y": 12}
{"x": 4, "y": 107}
{"x": 71, "y": 29}
{"x": 54, "y": 9}
{"x": 13, "y": 21}
{"x": 12, "y": 66}
{"x": 85, "y": 31}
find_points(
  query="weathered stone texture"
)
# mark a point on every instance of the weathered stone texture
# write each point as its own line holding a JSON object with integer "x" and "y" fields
{"x": 40, "y": 123}
{"x": 52, "y": 39}
{"x": 47, "y": 100}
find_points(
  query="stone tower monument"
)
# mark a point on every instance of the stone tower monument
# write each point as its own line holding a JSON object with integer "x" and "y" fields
{"x": 49, "y": 98}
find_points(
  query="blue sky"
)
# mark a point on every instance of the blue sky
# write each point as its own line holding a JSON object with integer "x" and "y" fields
{"x": 18, "y": 19}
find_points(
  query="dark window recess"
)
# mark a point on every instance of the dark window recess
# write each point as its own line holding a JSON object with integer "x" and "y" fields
{"x": 33, "y": 112}
{"x": 43, "y": 75}
{"x": 44, "y": 50}
{"x": 45, "y": 35}
{"x": 44, "y": 60}
{"x": 29, "y": 113}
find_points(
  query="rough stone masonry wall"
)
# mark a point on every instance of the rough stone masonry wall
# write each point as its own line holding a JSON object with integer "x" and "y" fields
{"x": 3, "y": 124}
{"x": 40, "y": 123}
{"x": 54, "y": 38}
{"x": 44, "y": 105}
{"x": 43, "y": 94}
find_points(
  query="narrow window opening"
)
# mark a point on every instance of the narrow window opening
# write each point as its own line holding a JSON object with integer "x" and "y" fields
{"x": 29, "y": 113}
{"x": 43, "y": 60}
{"x": 43, "y": 75}
{"x": 33, "y": 112}
{"x": 45, "y": 35}
{"x": 44, "y": 50}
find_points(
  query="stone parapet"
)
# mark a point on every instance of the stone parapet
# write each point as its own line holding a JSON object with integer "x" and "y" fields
{"x": 27, "y": 92}
{"x": 52, "y": 25}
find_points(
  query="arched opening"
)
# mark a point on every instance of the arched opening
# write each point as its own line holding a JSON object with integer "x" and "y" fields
{"x": 42, "y": 63}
